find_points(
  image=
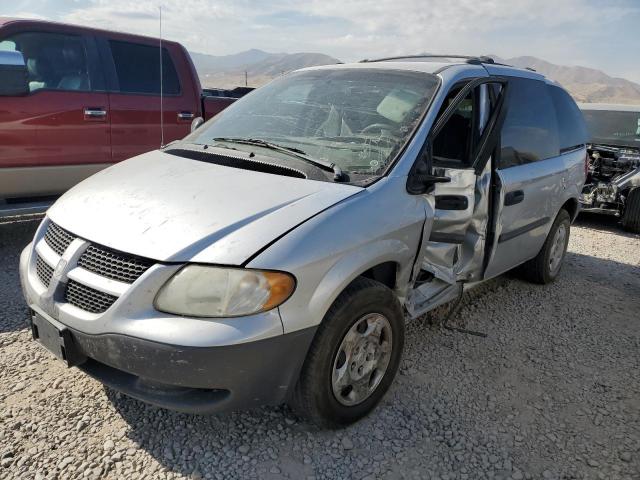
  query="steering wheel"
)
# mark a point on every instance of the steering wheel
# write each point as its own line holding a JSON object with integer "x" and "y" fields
{"x": 377, "y": 126}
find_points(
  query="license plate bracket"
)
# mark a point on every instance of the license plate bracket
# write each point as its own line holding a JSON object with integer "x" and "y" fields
{"x": 57, "y": 339}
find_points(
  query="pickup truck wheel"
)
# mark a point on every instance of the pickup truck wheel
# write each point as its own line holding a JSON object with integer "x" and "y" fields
{"x": 353, "y": 358}
{"x": 545, "y": 267}
{"x": 631, "y": 217}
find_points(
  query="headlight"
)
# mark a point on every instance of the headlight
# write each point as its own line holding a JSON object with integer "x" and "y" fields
{"x": 202, "y": 291}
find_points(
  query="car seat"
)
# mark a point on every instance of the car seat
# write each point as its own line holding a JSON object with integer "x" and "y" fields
{"x": 75, "y": 65}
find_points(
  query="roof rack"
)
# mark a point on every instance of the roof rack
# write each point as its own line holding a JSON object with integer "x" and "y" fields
{"x": 468, "y": 59}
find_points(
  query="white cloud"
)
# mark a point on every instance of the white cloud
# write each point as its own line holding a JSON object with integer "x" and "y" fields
{"x": 32, "y": 15}
{"x": 375, "y": 26}
{"x": 563, "y": 31}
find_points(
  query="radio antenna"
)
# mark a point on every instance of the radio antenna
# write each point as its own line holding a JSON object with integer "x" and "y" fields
{"x": 161, "y": 86}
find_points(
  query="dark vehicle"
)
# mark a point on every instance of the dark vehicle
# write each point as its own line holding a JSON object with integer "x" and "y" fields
{"x": 613, "y": 180}
{"x": 74, "y": 100}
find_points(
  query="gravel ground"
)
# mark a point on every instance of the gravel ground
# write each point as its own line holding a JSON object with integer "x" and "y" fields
{"x": 552, "y": 392}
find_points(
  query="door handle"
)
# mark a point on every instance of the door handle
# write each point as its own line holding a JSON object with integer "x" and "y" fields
{"x": 512, "y": 198}
{"x": 451, "y": 202}
{"x": 94, "y": 113}
{"x": 186, "y": 116}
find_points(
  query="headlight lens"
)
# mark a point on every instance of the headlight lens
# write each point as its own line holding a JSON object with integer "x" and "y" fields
{"x": 203, "y": 291}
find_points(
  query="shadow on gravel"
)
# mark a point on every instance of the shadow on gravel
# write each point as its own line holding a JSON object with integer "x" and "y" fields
{"x": 200, "y": 445}
{"x": 604, "y": 273}
{"x": 603, "y": 223}
{"x": 14, "y": 236}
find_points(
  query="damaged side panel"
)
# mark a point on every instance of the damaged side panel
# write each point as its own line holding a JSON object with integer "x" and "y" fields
{"x": 453, "y": 251}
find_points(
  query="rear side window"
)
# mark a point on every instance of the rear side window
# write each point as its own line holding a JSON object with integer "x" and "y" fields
{"x": 138, "y": 69}
{"x": 530, "y": 130}
{"x": 54, "y": 61}
{"x": 572, "y": 129}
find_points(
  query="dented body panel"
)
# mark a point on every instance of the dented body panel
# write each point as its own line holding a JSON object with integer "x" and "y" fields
{"x": 188, "y": 210}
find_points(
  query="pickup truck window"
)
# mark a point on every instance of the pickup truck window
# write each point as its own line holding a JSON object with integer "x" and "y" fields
{"x": 358, "y": 119}
{"x": 55, "y": 61}
{"x": 138, "y": 69}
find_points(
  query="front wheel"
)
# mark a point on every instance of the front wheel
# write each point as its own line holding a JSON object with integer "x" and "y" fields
{"x": 545, "y": 267}
{"x": 354, "y": 356}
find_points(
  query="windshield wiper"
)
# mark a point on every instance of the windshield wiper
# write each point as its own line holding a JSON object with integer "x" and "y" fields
{"x": 338, "y": 174}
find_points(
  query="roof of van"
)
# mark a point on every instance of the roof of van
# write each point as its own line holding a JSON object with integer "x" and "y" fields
{"x": 436, "y": 63}
{"x": 609, "y": 106}
{"x": 32, "y": 22}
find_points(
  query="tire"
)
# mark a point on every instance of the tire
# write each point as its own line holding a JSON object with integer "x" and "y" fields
{"x": 631, "y": 217}
{"x": 541, "y": 269}
{"x": 364, "y": 303}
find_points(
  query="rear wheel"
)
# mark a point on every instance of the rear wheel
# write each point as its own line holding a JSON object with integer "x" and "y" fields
{"x": 545, "y": 267}
{"x": 631, "y": 217}
{"x": 354, "y": 356}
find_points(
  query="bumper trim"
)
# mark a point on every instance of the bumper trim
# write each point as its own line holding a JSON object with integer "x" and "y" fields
{"x": 181, "y": 399}
{"x": 197, "y": 379}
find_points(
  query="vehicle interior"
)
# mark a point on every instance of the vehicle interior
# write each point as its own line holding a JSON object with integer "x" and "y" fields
{"x": 351, "y": 118}
{"x": 59, "y": 62}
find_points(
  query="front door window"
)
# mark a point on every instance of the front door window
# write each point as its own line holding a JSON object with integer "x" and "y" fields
{"x": 54, "y": 61}
{"x": 453, "y": 145}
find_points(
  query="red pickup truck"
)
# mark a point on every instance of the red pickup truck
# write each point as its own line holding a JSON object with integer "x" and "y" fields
{"x": 74, "y": 100}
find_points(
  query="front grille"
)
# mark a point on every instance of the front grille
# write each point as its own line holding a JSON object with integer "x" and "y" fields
{"x": 113, "y": 264}
{"x": 97, "y": 259}
{"x": 88, "y": 298}
{"x": 44, "y": 271}
{"x": 57, "y": 238}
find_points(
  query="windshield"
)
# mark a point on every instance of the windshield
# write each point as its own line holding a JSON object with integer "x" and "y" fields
{"x": 616, "y": 127}
{"x": 357, "y": 119}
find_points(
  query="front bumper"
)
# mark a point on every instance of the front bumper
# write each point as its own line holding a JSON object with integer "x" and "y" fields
{"x": 182, "y": 363}
{"x": 196, "y": 379}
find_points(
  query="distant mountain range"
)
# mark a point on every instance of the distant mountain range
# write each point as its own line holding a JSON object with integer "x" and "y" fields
{"x": 585, "y": 84}
{"x": 260, "y": 67}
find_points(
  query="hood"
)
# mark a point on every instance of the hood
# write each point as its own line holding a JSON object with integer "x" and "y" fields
{"x": 632, "y": 144}
{"x": 170, "y": 208}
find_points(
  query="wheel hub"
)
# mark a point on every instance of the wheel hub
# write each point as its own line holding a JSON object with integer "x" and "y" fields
{"x": 362, "y": 359}
{"x": 557, "y": 248}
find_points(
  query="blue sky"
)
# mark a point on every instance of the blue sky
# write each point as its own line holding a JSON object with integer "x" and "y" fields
{"x": 593, "y": 33}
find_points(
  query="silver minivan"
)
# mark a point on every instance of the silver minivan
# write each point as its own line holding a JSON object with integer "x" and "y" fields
{"x": 274, "y": 254}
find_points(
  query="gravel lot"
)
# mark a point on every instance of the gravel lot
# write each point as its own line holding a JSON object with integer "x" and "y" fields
{"x": 553, "y": 392}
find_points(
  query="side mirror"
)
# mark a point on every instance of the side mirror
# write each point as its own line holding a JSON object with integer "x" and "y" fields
{"x": 14, "y": 74}
{"x": 196, "y": 123}
{"x": 421, "y": 179}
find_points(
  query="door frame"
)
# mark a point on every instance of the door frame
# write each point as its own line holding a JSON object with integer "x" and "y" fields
{"x": 484, "y": 150}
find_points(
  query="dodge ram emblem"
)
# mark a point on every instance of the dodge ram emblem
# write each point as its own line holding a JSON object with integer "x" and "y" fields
{"x": 60, "y": 267}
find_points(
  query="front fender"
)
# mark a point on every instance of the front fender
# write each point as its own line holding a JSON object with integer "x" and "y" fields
{"x": 326, "y": 253}
{"x": 354, "y": 263}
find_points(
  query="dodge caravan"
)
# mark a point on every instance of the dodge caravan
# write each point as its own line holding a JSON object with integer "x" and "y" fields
{"x": 273, "y": 254}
